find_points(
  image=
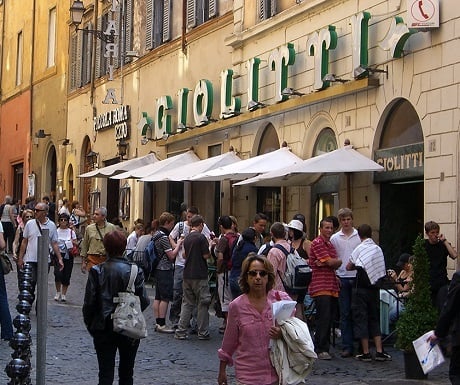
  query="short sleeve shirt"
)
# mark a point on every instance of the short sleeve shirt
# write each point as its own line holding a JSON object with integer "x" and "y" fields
{"x": 162, "y": 246}
{"x": 196, "y": 246}
{"x": 32, "y": 232}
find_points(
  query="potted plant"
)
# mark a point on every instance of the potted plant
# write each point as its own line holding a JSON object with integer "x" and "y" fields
{"x": 419, "y": 316}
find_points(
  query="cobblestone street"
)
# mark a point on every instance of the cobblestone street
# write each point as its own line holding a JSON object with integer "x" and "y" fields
{"x": 162, "y": 360}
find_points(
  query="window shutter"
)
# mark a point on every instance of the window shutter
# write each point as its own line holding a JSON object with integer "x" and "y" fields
{"x": 73, "y": 62}
{"x": 191, "y": 13}
{"x": 272, "y": 7}
{"x": 78, "y": 80}
{"x": 88, "y": 55}
{"x": 212, "y": 9}
{"x": 158, "y": 23}
{"x": 167, "y": 6}
{"x": 98, "y": 51}
{"x": 149, "y": 24}
{"x": 262, "y": 9}
{"x": 128, "y": 31}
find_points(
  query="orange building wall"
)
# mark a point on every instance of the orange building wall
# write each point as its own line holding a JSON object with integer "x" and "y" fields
{"x": 15, "y": 142}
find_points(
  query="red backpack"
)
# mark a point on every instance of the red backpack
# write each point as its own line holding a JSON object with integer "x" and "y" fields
{"x": 232, "y": 239}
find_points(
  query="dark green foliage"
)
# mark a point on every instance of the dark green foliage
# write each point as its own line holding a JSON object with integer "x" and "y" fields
{"x": 420, "y": 315}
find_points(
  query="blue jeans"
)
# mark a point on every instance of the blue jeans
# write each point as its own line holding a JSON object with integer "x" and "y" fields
{"x": 5, "y": 316}
{"x": 346, "y": 323}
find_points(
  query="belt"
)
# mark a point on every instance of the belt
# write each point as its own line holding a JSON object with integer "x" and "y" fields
{"x": 97, "y": 255}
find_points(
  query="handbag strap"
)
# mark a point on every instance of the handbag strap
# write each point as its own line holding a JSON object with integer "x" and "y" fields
{"x": 132, "y": 277}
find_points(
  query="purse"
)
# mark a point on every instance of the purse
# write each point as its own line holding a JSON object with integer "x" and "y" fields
{"x": 7, "y": 266}
{"x": 74, "y": 251}
{"x": 128, "y": 318}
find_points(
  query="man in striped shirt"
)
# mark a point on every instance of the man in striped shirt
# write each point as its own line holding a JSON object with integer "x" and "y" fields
{"x": 324, "y": 285}
{"x": 368, "y": 260}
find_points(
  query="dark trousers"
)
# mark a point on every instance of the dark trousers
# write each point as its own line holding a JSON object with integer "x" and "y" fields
{"x": 346, "y": 322}
{"x": 63, "y": 276}
{"x": 454, "y": 368}
{"x": 8, "y": 234}
{"x": 325, "y": 312}
{"x": 106, "y": 345}
{"x": 5, "y": 316}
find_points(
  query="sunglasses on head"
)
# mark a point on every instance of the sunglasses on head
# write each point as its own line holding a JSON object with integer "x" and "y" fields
{"x": 36, "y": 210}
{"x": 253, "y": 273}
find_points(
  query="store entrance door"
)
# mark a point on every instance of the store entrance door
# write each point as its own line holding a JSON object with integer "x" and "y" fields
{"x": 401, "y": 218}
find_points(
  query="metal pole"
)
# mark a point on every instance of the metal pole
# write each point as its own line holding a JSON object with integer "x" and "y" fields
{"x": 42, "y": 309}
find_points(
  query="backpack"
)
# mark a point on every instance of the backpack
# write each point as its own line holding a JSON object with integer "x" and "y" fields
{"x": 232, "y": 240}
{"x": 298, "y": 273}
{"x": 151, "y": 253}
{"x": 267, "y": 248}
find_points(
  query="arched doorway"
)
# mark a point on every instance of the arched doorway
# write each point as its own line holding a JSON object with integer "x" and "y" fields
{"x": 401, "y": 183}
{"x": 85, "y": 183}
{"x": 49, "y": 175}
{"x": 269, "y": 198}
{"x": 325, "y": 192}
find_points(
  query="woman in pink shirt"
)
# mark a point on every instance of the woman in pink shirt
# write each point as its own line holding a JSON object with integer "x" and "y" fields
{"x": 250, "y": 326}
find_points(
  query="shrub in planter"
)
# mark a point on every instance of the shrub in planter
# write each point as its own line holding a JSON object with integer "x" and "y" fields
{"x": 420, "y": 316}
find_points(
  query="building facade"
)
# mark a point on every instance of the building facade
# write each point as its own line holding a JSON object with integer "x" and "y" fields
{"x": 165, "y": 76}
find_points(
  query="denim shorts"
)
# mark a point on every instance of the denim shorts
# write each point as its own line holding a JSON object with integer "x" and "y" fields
{"x": 164, "y": 283}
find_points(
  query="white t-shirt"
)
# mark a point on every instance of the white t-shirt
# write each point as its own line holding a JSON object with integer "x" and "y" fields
{"x": 176, "y": 233}
{"x": 65, "y": 237}
{"x": 131, "y": 242}
{"x": 344, "y": 246}
{"x": 32, "y": 232}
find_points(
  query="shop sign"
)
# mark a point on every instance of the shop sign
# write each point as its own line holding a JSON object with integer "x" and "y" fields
{"x": 116, "y": 119}
{"x": 400, "y": 163}
{"x": 423, "y": 14}
{"x": 318, "y": 45}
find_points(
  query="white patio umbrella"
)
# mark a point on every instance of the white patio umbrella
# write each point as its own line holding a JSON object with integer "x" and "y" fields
{"x": 342, "y": 160}
{"x": 250, "y": 167}
{"x": 127, "y": 165}
{"x": 164, "y": 165}
{"x": 186, "y": 172}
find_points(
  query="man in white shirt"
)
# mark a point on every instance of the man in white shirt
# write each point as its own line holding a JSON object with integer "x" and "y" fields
{"x": 181, "y": 229}
{"x": 33, "y": 229}
{"x": 345, "y": 241}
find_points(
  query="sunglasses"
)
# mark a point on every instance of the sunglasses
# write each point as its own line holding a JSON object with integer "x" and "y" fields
{"x": 253, "y": 273}
{"x": 28, "y": 217}
{"x": 63, "y": 220}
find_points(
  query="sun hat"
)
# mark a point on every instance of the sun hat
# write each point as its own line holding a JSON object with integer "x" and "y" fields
{"x": 295, "y": 224}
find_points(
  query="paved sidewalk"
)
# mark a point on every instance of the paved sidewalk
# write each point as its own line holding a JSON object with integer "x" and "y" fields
{"x": 162, "y": 360}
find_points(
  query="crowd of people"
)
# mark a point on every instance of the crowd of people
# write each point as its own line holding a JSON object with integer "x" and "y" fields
{"x": 346, "y": 267}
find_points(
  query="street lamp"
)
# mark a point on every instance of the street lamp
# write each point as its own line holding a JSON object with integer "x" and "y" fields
{"x": 91, "y": 157}
{"x": 122, "y": 148}
{"x": 77, "y": 11}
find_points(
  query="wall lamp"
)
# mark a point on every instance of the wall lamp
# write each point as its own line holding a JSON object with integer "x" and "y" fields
{"x": 361, "y": 72}
{"x": 254, "y": 105}
{"x": 145, "y": 140}
{"x": 91, "y": 158}
{"x": 41, "y": 134}
{"x": 77, "y": 11}
{"x": 122, "y": 148}
{"x": 291, "y": 92}
{"x": 331, "y": 78}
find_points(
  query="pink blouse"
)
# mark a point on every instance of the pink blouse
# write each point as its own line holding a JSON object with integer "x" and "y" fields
{"x": 246, "y": 336}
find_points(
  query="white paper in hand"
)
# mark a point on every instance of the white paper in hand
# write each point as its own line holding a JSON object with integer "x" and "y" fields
{"x": 282, "y": 310}
{"x": 429, "y": 355}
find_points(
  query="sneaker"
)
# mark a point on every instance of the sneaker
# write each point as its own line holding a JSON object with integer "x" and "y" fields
{"x": 164, "y": 329}
{"x": 63, "y": 299}
{"x": 324, "y": 356}
{"x": 179, "y": 336}
{"x": 365, "y": 357}
{"x": 382, "y": 356}
{"x": 204, "y": 337}
{"x": 57, "y": 296}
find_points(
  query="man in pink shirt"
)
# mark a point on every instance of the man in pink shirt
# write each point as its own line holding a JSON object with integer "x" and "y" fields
{"x": 324, "y": 285}
{"x": 276, "y": 255}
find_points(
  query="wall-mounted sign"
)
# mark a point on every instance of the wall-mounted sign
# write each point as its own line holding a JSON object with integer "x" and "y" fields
{"x": 400, "y": 163}
{"x": 118, "y": 119}
{"x": 423, "y": 13}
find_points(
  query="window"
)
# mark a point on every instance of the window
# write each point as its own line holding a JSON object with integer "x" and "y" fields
{"x": 124, "y": 201}
{"x": 102, "y": 63}
{"x": 200, "y": 11}
{"x": 51, "y": 38}
{"x": 81, "y": 51}
{"x": 87, "y": 53}
{"x": 126, "y": 32}
{"x": 19, "y": 58}
{"x": 158, "y": 28}
{"x": 267, "y": 9}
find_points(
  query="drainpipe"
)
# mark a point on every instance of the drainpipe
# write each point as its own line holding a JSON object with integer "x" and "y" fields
{"x": 184, "y": 26}
{"x": 31, "y": 79}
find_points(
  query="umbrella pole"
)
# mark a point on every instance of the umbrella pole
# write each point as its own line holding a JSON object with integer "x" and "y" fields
{"x": 348, "y": 174}
{"x": 231, "y": 198}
